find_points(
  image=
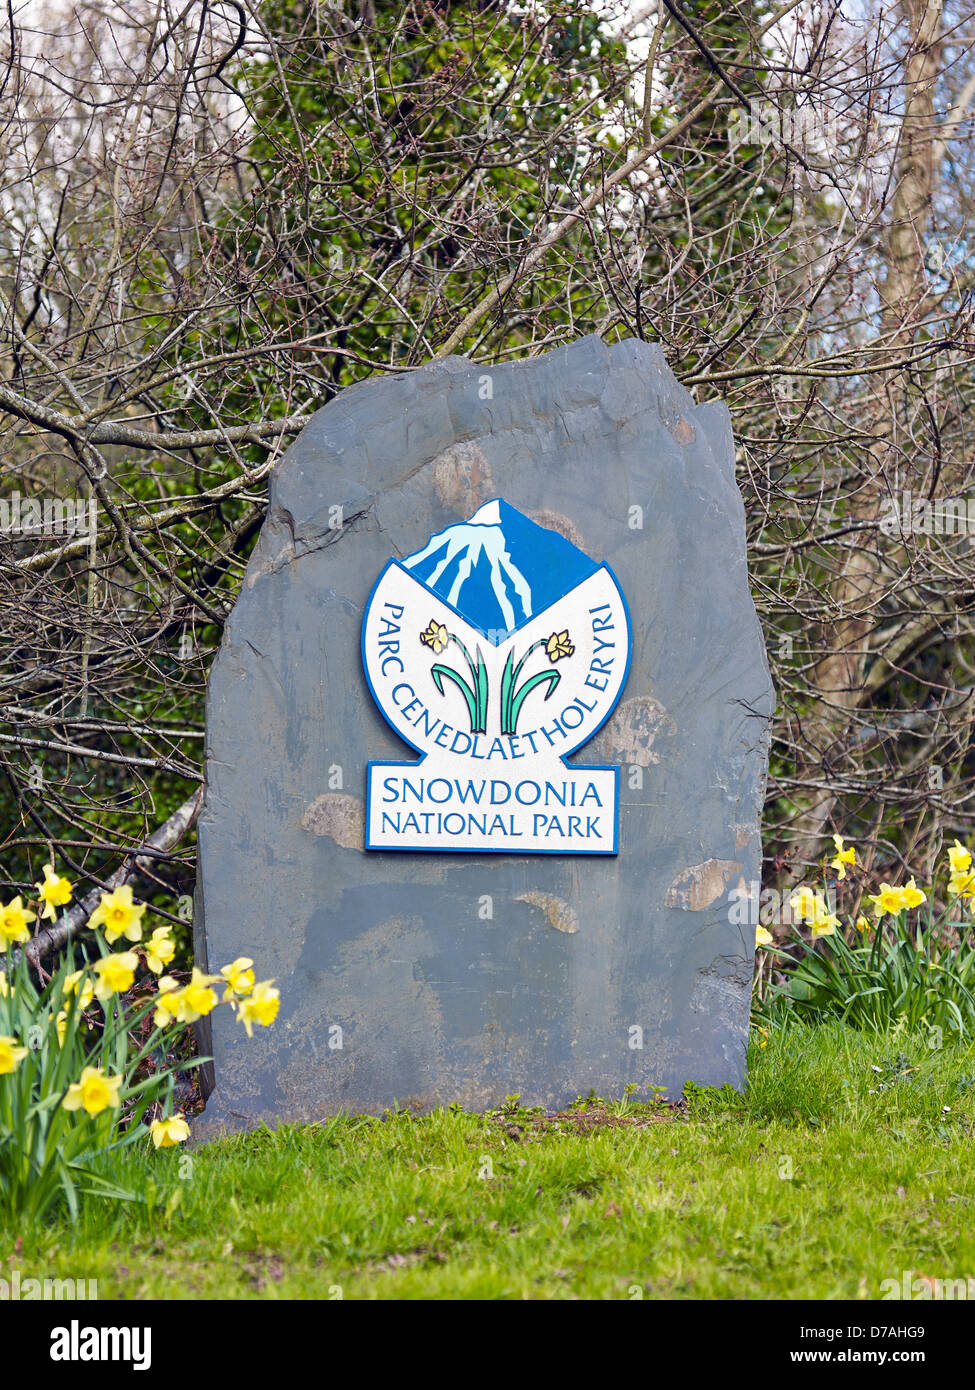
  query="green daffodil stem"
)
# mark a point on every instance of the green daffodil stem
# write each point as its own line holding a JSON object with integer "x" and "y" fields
{"x": 509, "y": 682}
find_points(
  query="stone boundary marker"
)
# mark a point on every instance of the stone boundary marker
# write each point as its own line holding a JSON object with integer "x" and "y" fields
{"x": 414, "y": 973}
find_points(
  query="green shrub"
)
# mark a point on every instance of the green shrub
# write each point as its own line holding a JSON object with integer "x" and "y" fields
{"x": 910, "y": 968}
{"x": 88, "y": 1059}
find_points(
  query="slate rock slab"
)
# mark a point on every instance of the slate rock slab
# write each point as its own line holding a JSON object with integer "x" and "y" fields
{"x": 427, "y": 978}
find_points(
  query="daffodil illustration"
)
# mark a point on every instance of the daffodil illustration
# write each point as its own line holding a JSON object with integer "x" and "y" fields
{"x": 475, "y": 692}
{"x": 558, "y": 646}
{"x": 435, "y": 636}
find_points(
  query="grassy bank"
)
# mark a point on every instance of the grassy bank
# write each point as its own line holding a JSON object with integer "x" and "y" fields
{"x": 692, "y": 1202}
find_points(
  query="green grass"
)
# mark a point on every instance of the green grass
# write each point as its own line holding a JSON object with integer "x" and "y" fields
{"x": 685, "y": 1205}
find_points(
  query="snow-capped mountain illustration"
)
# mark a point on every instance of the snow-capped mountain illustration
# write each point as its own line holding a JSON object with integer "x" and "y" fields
{"x": 499, "y": 569}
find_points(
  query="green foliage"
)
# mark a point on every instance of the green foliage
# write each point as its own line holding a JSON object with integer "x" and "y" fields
{"x": 911, "y": 975}
{"x": 685, "y": 1204}
{"x": 427, "y": 171}
{"x": 49, "y": 1155}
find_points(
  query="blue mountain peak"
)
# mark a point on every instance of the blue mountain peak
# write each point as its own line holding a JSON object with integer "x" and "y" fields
{"x": 499, "y": 569}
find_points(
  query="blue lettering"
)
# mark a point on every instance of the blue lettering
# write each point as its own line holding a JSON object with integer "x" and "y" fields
{"x": 469, "y": 791}
{"x": 518, "y": 793}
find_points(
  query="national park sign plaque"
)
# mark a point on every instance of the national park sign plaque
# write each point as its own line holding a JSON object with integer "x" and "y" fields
{"x": 487, "y": 738}
{"x": 495, "y": 651}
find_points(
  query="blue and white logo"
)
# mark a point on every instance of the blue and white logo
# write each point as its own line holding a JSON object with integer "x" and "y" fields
{"x": 495, "y": 651}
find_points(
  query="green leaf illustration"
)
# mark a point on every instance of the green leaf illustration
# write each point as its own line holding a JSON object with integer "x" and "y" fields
{"x": 440, "y": 673}
{"x": 479, "y": 724}
{"x": 507, "y": 690}
{"x": 551, "y": 678}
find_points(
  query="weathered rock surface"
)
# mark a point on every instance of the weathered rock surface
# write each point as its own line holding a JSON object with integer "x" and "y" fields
{"x": 462, "y": 977}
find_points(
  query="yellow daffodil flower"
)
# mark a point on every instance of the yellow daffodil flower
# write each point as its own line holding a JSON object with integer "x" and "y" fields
{"x": 808, "y": 904}
{"x": 959, "y": 858}
{"x": 842, "y": 857}
{"x": 87, "y": 989}
{"x": 166, "y": 1134}
{"x": 167, "y": 1002}
{"x": 862, "y": 924}
{"x": 558, "y": 646}
{"x": 435, "y": 636}
{"x": 812, "y": 910}
{"x": 962, "y": 883}
{"x": 824, "y": 924}
{"x": 5, "y": 990}
{"x": 119, "y": 915}
{"x": 94, "y": 1093}
{"x": 13, "y": 923}
{"x": 889, "y": 899}
{"x": 763, "y": 937}
{"x": 239, "y": 977}
{"x": 261, "y": 1006}
{"x": 159, "y": 949}
{"x": 11, "y": 1055}
{"x": 54, "y": 892}
{"x": 803, "y": 902}
{"x": 911, "y": 895}
{"x": 115, "y": 974}
{"x": 61, "y": 1024}
{"x": 196, "y": 998}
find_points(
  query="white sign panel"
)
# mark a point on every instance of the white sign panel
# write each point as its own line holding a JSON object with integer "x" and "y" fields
{"x": 495, "y": 651}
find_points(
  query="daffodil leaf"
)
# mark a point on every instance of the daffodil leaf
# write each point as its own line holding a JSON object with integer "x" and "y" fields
{"x": 552, "y": 678}
{"x": 441, "y": 673}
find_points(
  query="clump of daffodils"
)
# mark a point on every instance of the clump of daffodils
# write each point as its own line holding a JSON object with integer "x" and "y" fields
{"x": 900, "y": 960}
{"x": 892, "y": 900}
{"x": 80, "y": 1008}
